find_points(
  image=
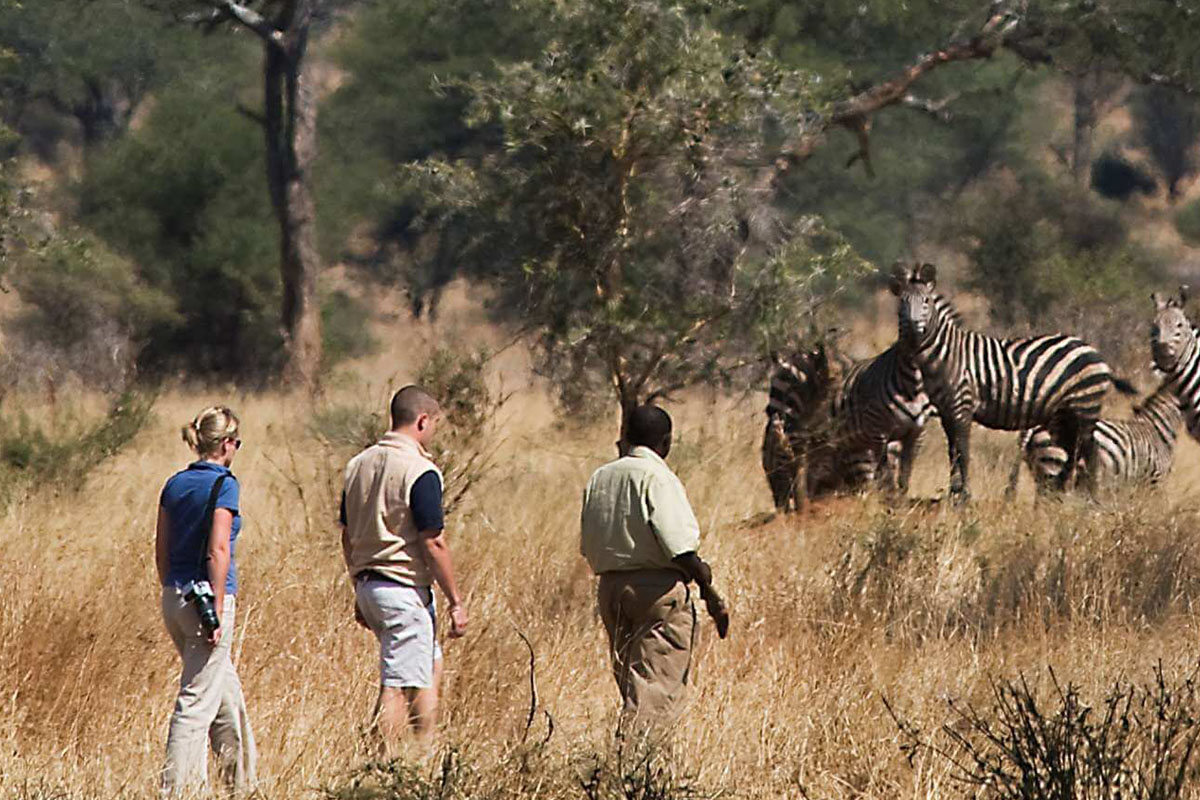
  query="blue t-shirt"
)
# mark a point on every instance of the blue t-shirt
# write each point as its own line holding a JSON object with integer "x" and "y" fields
{"x": 185, "y": 498}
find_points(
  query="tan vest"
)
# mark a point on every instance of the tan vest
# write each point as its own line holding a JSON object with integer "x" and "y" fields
{"x": 379, "y": 527}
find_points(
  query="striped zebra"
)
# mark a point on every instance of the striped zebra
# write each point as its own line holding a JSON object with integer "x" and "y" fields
{"x": 797, "y": 396}
{"x": 1175, "y": 346}
{"x": 1008, "y": 384}
{"x": 868, "y": 430}
{"x": 880, "y": 405}
{"x": 1135, "y": 451}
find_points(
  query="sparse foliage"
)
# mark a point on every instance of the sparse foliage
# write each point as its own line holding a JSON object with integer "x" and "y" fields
{"x": 465, "y": 446}
{"x": 1137, "y": 742}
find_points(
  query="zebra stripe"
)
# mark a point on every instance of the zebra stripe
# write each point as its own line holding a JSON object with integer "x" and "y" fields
{"x": 1008, "y": 384}
{"x": 881, "y": 401}
{"x": 797, "y": 395}
{"x": 1140, "y": 450}
{"x": 1175, "y": 346}
{"x": 870, "y": 427}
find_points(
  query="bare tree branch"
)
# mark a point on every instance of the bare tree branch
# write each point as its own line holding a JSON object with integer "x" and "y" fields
{"x": 250, "y": 114}
{"x": 934, "y": 108}
{"x": 249, "y": 19}
{"x": 854, "y": 112}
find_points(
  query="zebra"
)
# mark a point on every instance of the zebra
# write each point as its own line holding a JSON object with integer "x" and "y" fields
{"x": 1140, "y": 450}
{"x": 870, "y": 427}
{"x": 1008, "y": 384}
{"x": 880, "y": 412}
{"x": 1175, "y": 347}
{"x": 799, "y": 387}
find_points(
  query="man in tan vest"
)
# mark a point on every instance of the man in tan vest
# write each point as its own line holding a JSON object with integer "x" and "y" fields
{"x": 395, "y": 549}
{"x": 640, "y": 536}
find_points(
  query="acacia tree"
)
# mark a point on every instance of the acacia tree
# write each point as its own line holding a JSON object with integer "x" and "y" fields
{"x": 289, "y": 124}
{"x": 622, "y": 221}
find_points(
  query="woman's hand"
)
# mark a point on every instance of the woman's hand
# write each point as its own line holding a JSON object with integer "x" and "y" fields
{"x": 214, "y": 638}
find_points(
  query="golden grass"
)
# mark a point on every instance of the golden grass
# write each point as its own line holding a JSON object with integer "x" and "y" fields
{"x": 832, "y": 609}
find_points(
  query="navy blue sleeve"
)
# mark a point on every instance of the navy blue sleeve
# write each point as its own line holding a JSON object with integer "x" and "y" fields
{"x": 425, "y": 500}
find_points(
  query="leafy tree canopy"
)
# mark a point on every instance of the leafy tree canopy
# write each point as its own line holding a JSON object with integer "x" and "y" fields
{"x": 624, "y": 220}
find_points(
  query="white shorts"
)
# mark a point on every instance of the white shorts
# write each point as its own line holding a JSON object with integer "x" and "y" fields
{"x": 405, "y": 623}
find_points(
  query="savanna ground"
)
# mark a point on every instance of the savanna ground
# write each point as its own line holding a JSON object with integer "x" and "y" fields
{"x": 833, "y": 610}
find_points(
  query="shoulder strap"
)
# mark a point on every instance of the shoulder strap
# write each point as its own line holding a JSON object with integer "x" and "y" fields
{"x": 209, "y": 510}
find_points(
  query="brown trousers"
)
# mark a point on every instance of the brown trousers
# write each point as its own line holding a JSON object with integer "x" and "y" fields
{"x": 651, "y": 625}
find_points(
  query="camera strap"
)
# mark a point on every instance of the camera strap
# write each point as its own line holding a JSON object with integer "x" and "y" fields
{"x": 209, "y": 510}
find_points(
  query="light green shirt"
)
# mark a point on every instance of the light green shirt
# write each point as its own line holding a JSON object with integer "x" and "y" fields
{"x": 636, "y": 515}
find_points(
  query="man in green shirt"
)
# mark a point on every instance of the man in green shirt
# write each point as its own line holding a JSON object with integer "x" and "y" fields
{"x": 640, "y": 536}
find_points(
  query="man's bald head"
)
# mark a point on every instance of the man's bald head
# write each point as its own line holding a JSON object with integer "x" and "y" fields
{"x": 409, "y": 403}
{"x": 649, "y": 426}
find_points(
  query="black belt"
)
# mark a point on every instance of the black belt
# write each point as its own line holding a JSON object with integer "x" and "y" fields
{"x": 370, "y": 574}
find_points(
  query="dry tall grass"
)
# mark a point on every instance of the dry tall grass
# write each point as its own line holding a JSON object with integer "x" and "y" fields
{"x": 832, "y": 610}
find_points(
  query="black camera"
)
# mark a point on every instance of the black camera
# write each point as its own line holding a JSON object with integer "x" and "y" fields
{"x": 200, "y": 594}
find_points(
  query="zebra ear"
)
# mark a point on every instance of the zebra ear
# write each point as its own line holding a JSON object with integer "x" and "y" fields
{"x": 926, "y": 273}
{"x": 899, "y": 279}
{"x": 1183, "y": 295}
{"x": 1159, "y": 302}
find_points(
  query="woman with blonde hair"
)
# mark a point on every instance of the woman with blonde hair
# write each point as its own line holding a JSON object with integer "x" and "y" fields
{"x": 198, "y": 525}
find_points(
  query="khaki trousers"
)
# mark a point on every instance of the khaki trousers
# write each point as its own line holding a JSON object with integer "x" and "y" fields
{"x": 210, "y": 706}
{"x": 651, "y": 625}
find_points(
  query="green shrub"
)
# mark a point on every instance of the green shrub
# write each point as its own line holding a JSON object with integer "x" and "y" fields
{"x": 1187, "y": 222}
{"x": 63, "y": 452}
{"x": 86, "y": 313}
{"x": 464, "y": 446}
{"x": 463, "y": 449}
{"x": 345, "y": 329}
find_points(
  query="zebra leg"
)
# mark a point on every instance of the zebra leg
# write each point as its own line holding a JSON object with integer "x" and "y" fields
{"x": 910, "y": 445}
{"x": 958, "y": 440}
{"x": 1014, "y": 476}
{"x": 884, "y": 475}
{"x": 1085, "y": 447}
{"x": 1069, "y": 437}
{"x": 799, "y": 481}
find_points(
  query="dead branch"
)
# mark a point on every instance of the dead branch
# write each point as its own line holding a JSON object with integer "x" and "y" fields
{"x": 854, "y": 112}
{"x": 250, "y": 19}
{"x": 934, "y": 108}
{"x": 250, "y": 114}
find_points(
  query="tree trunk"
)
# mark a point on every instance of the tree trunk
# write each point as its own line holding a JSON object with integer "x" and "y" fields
{"x": 1085, "y": 126}
{"x": 291, "y": 134}
{"x": 628, "y": 401}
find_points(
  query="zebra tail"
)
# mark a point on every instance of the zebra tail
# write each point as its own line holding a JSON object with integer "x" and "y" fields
{"x": 1124, "y": 387}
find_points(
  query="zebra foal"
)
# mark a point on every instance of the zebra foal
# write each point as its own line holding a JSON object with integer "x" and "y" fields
{"x": 1008, "y": 384}
{"x": 1136, "y": 451}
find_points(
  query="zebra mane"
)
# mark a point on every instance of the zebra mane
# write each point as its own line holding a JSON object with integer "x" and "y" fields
{"x": 948, "y": 309}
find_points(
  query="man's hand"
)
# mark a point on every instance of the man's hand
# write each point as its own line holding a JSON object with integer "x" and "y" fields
{"x": 359, "y": 618}
{"x": 718, "y": 612}
{"x": 214, "y": 638}
{"x": 458, "y": 620}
